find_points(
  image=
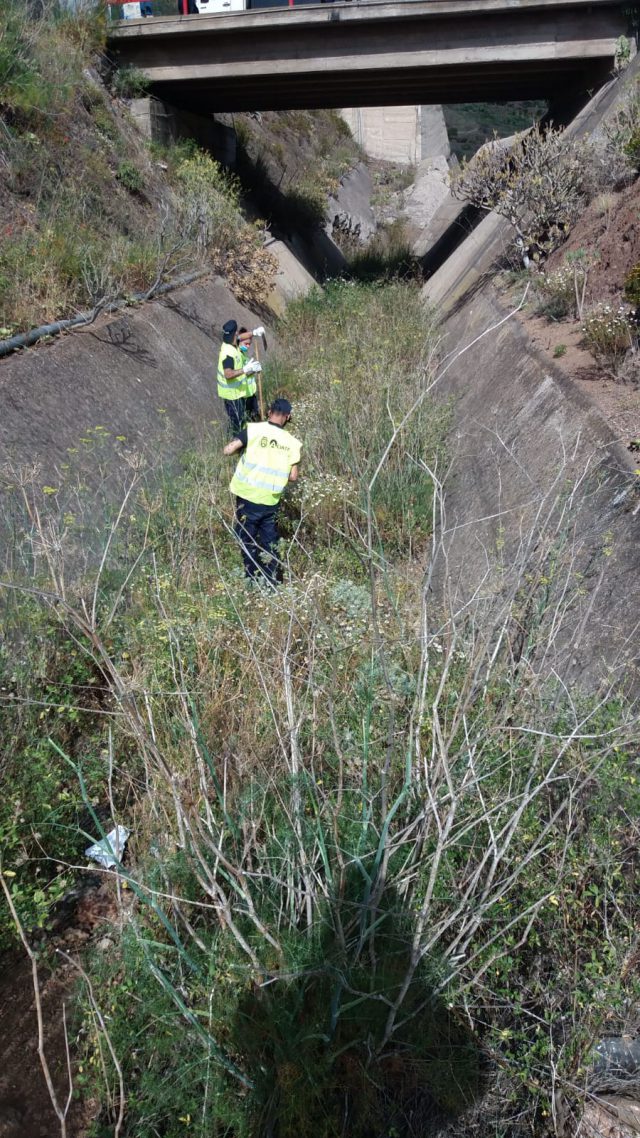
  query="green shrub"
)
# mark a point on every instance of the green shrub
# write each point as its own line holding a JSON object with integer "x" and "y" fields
{"x": 632, "y": 286}
{"x": 622, "y": 139}
{"x": 357, "y": 324}
{"x": 43, "y": 52}
{"x": 20, "y": 85}
{"x": 130, "y": 83}
{"x": 105, "y": 121}
{"x": 130, "y": 177}
{"x": 539, "y": 184}
{"x": 43, "y": 823}
{"x": 306, "y": 205}
{"x": 380, "y": 261}
{"x": 632, "y": 149}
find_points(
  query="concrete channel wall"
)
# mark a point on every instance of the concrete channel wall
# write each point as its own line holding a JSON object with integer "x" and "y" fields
{"x": 405, "y": 135}
{"x": 523, "y": 437}
{"x": 539, "y": 493}
{"x": 145, "y": 376}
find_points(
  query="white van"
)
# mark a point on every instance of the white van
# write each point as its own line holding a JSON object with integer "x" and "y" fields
{"x": 207, "y": 6}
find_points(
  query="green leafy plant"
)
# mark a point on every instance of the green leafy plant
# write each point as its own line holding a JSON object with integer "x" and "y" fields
{"x": 130, "y": 177}
{"x": 563, "y": 291}
{"x": 557, "y": 293}
{"x": 622, "y": 139}
{"x": 130, "y": 83}
{"x": 632, "y": 286}
{"x": 559, "y": 351}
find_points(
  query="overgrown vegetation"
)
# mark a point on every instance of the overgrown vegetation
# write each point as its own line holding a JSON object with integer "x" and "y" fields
{"x": 538, "y": 184}
{"x": 386, "y": 256}
{"x": 88, "y": 215}
{"x": 610, "y": 335}
{"x": 562, "y": 292}
{"x": 381, "y": 869}
{"x": 542, "y": 180}
{"x": 469, "y": 125}
{"x": 541, "y": 184}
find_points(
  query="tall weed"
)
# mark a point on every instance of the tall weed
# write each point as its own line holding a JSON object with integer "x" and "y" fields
{"x": 355, "y": 359}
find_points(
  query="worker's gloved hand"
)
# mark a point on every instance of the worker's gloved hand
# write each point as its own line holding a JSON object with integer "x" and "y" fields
{"x": 258, "y": 331}
{"x": 252, "y": 367}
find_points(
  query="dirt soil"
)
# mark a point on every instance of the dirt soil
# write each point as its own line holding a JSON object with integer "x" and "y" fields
{"x": 89, "y": 912}
{"x": 608, "y": 231}
{"x": 618, "y": 403}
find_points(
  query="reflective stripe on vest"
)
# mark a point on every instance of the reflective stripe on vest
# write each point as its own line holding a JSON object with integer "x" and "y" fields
{"x": 231, "y": 388}
{"x": 250, "y": 385}
{"x": 263, "y": 470}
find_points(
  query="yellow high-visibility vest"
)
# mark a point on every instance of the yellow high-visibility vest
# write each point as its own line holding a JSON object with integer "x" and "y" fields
{"x": 250, "y": 385}
{"x": 264, "y": 467}
{"x": 250, "y": 381}
{"x": 231, "y": 388}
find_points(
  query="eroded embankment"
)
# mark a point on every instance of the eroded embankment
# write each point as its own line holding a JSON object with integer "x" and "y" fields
{"x": 539, "y": 490}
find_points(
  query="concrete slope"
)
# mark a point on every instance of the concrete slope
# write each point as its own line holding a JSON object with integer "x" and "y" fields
{"x": 540, "y": 498}
{"x": 147, "y": 375}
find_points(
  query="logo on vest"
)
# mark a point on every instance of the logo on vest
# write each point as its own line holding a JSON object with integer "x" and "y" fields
{"x": 265, "y": 442}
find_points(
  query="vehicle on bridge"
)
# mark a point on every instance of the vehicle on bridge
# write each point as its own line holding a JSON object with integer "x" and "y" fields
{"x": 134, "y": 9}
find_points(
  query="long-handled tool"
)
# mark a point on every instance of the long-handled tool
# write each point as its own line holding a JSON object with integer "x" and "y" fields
{"x": 259, "y": 334}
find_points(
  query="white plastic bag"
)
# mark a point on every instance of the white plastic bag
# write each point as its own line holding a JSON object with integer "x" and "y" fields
{"x": 109, "y": 851}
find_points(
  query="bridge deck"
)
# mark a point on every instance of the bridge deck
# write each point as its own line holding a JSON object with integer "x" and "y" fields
{"x": 373, "y": 53}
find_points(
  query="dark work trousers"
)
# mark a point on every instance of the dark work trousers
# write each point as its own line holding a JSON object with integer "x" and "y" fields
{"x": 253, "y": 411}
{"x": 235, "y": 409}
{"x": 257, "y": 533}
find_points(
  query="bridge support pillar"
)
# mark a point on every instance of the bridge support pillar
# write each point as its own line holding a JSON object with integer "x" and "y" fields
{"x": 404, "y": 135}
{"x": 160, "y": 122}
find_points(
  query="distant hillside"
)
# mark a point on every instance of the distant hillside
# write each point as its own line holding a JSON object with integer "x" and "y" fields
{"x": 471, "y": 124}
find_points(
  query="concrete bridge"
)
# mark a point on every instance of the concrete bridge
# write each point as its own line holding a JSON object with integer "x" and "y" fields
{"x": 376, "y": 53}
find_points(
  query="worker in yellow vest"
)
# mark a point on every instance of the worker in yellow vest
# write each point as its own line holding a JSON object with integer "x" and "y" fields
{"x": 232, "y": 375}
{"x": 270, "y": 459}
{"x": 245, "y": 344}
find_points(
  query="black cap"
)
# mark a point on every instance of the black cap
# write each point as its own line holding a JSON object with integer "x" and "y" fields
{"x": 230, "y": 328}
{"x": 281, "y": 407}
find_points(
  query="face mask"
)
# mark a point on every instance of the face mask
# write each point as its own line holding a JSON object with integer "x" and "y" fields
{"x": 244, "y": 348}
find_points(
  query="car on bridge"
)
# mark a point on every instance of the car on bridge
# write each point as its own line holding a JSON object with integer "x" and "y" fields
{"x": 134, "y": 9}
{"x": 205, "y": 6}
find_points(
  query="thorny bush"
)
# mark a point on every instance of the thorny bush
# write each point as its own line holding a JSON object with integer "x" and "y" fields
{"x": 539, "y": 184}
